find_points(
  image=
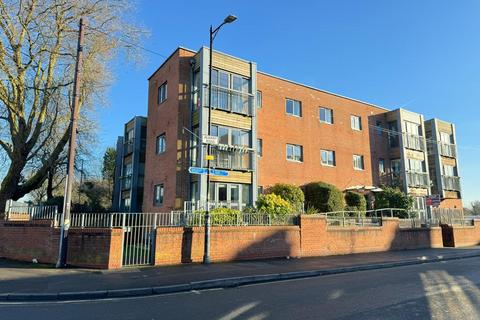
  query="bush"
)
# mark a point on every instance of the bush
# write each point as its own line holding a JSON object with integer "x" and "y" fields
{"x": 273, "y": 205}
{"x": 355, "y": 201}
{"x": 323, "y": 196}
{"x": 289, "y": 192}
{"x": 225, "y": 216}
{"x": 311, "y": 210}
{"x": 393, "y": 198}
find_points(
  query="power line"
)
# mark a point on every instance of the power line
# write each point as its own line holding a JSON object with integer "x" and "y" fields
{"x": 129, "y": 43}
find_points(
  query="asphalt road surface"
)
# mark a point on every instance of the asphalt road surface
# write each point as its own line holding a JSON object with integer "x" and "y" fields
{"x": 446, "y": 290}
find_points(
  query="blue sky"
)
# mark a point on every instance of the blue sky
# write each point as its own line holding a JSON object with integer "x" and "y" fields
{"x": 420, "y": 55}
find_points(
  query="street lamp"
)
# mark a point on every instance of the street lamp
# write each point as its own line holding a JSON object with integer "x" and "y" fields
{"x": 213, "y": 33}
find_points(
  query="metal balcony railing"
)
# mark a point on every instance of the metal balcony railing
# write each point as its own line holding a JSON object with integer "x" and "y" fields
{"x": 451, "y": 183}
{"x": 230, "y": 100}
{"x": 232, "y": 158}
{"x": 417, "y": 179}
{"x": 447, "y": 149}
{"x": 413, "y": 141}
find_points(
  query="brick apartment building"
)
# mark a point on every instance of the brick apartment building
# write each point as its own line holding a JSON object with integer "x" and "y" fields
{"x": 274, "y": 130}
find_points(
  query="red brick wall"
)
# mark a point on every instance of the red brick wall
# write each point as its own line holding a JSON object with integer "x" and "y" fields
{"x": 467, "y": 235}
{"x": 451, "y": 204}
{"x": 176, "y": 245}
{"x": 276, "y": 129}
{"x": 25, "y": 240}
{"x": 95, "y": 248}
{"x": 318, "y": 240}
{"x": 168, "y": 118}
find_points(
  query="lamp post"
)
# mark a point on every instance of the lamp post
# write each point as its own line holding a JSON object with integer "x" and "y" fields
{"x": 213, "y": 33}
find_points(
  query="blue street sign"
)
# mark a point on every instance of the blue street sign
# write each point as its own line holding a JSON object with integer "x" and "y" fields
{"x": 197, "y": 170}
{"x": 221, "y": 173}
{"x": 213, "y": 172}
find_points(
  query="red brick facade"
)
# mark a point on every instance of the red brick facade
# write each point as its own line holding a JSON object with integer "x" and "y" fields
{"x": 169, "y": 118}
{"x": 276, "y": 129}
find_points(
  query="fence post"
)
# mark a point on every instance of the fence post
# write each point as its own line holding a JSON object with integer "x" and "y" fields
{"x": 9, "y": 205}
{"x": 111, "y": 216}
{"x": 343, "y": 214}
{"x": 82, "y": 223}
{"x": 391, "y": 213}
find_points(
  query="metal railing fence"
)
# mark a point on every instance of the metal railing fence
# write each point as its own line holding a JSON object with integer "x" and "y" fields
{"x": 16, "y": 210}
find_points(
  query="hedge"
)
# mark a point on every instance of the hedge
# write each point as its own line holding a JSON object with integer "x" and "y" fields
{"x": 323, "y": 196}
{"x": 289, "y": 192}
{"x": 356, "y": 201}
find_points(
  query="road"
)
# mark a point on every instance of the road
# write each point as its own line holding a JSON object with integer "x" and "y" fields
{"x": 446, "y": 290}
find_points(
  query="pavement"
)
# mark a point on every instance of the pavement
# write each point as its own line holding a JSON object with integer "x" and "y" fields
{"x": 444, "y": 290}
{"x": 34, "y": 282}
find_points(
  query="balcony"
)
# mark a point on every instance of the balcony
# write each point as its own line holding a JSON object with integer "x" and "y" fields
{"x": 127, "y": 182}
{"x": 128, "y": 147}
{"x": 230, "y": 100}
{"x": 447, "y": 149}
{"x": 451, "y": 183}
{"x": 417, "y": 179}
{"x": 231, "y": 158}
{"x": 413, "y": 141}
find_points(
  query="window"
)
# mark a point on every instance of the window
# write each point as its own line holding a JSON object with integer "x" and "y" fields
{"x": 393, "y": 134}
{"x": 415, "y": 165}
{"x": 356, "y": 122}
{"x": 327, "y": 157}
{"x": 293, "y": 107}
{"x": 358, "y": 163}
{"x": 237, "y": 195}
{"x": 260, "y": 147}
{"x": 326, "y": 115}
{"x": 379, "y": 128}
{"x": 129, "y": 136}
{"x": 413, "y": 128}
{"x": 161, "y": 143}
{"x": 231, "y": 136}
{"x": 158, "y": 192}
{"x": 381, "y": 165}
{"x": 449, "y": 171}
{"x": 395, "y": 166}
{"x": 445, "y": 137}
{"x": 294, "y": 152}
{"x": 259, "y": 99}
{"x": 162, "y": 93}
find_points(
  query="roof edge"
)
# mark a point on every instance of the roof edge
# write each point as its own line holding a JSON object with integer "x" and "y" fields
{"x": 324, "y": 91}
{"x": 169, "y": 57}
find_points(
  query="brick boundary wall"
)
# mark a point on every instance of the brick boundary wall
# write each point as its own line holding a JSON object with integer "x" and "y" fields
{"x": 102, "y": 248}
{"x": 91, "y": 248}
{"x": 183, "y": 245}
{"x": 466, "y": 235}
{"x": 319, "y": 240}
{"x": 95, "y": 248}
{"x": 27, "y": 240}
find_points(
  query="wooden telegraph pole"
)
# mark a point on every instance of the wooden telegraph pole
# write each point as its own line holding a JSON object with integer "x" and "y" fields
{"x": 72, "y": 146}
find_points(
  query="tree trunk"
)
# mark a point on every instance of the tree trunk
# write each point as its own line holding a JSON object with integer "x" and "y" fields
{"x": 50, "y": 184}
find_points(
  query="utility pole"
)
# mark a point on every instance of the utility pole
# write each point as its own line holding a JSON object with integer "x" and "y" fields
{"x": 72, "y": 146}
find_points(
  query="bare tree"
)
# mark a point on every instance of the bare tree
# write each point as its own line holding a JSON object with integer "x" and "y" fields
{"x": 37, "y": 57}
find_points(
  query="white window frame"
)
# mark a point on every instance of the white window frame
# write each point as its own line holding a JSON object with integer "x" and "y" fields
{"x": 354, "y": 122}
{"x": 158, "y": 190}
{"x": 294, "y": 147}
{"x": 325, "y": 113}
{"x": 362, "y": 161}
{"x": 381, "y": 165}
{"x": 259, "y": 99}
{"x": 327, "y": 153}
{"x": 158, "y": 147}
{"x": 162, "y": 93}
{"x": 259, "y": 147}
{"x": 294, "y": 103}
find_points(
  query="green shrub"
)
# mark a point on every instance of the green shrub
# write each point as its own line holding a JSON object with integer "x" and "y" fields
{"x": 273, "y": 205}
{"x": 225, "y": 216}
{"x": 289, "y": 192}
{"x": 355, "y": 201}
{"x": 311, "y": 210}
{"x": 323, "y": 196}
{"x": 393, "y": 198}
